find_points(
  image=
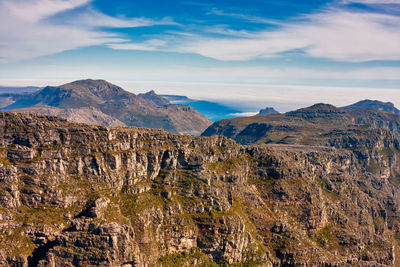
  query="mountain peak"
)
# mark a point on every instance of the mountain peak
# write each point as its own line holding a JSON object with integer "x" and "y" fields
{"x": 373, "y": 104}
{"x": 267, "y": 111}
{"x": 88, "y": 81}
{"x": 151, "y": 92}
{"x": 322, "y": 106}
{"x": 320, "y": 111}
{"x": 154, "y": 98}
{"x": 92, "y": 85}
{"x": 318, "y": 108}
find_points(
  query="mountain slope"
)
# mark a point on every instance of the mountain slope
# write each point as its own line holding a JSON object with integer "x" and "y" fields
{"x": 110, "y": 100}
{"x": 89, "y": 115}
{"x": 312, "y": 125}
{"x": 78, "y": 195}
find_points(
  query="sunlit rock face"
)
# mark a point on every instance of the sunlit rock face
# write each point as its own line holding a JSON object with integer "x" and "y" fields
{"x": 75, "y": 195}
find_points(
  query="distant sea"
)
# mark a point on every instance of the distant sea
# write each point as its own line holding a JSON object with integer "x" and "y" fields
{"x": 215, "y": 111}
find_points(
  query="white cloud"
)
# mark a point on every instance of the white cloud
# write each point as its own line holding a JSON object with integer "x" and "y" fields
{"x": 337, "y": 35}
{"x": 35, "y": 10}
{"x": 26, "y": 30}
{"x": 94, "y": 18}
{"x": 263, "y": 46}
{"x": 215, "y": 11}
{"x": 333, "y": 34}
{"x": 265, "y": 74}
{"x": 372, "y": 1}
{"x": 243, "y": 114}
{"x": 150, "y": 45}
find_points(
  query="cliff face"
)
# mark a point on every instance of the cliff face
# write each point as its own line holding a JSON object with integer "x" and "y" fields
{"x": 77, "y": 195}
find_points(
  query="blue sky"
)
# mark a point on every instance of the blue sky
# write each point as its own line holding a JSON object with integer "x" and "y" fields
{"x": 284, "y": 53}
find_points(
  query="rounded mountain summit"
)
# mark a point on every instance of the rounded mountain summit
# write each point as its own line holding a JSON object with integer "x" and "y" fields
{"x": 102, "y": 103}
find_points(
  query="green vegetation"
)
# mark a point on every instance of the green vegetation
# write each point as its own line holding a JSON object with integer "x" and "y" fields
{"x": 388, "y": 152}
{"x": 373, "y": 166}
{"x": 326, "y": 188}
{"x": 42, "y": 214}
{"x": 193, "y": 257}
{"x": 228, "y": 165}
{"x": 379, "y": 223}
{"x": 375, "y": 248}
{"x": 397, "y": 238}
{"x": 87, "y": 252}
{"x": 132, "y": 204}
{"x": 17, "y": 242}
{"x": 326, "y": 238}
{"x": 5, "y": 162}
{"x": 188, "y": 180}
{"x": 395, "y": 178}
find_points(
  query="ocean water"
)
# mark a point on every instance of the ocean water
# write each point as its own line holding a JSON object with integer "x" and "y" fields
{"x": 215, "y": 111}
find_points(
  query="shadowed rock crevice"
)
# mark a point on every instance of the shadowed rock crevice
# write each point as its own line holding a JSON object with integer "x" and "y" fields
{"x": 40, "y": 253}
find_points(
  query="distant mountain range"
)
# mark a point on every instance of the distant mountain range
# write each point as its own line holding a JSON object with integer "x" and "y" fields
{"x": 313, "y": 125}
{"x": 18, "y": 89}
{"x": 100, "y": 102}
{"x": 7, "y": 91}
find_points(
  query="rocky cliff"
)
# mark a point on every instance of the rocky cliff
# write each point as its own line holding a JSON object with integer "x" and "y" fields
{"x": 78, "y": 195}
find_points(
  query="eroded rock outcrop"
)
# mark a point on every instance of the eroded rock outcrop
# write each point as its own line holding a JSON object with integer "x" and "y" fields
{"x": 78, "y": 195}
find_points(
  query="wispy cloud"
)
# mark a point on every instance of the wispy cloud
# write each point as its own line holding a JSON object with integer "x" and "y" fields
{"x": 27, "y": 30}
{"x": 149, "y": 45}
{"x": 35, "y": 10}
{"x": 255, "y": 19}
{"x": 372, "y": 1}
{"x": 92, "y": 18}
{"x": 334, "y": 34}
{"x": 32, "y": 28}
